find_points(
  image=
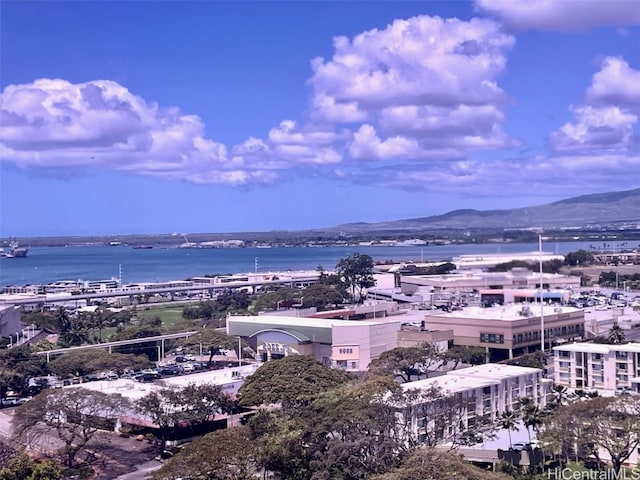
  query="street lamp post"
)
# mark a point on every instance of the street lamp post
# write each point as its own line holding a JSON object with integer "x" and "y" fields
{"x": 541, "y": 295}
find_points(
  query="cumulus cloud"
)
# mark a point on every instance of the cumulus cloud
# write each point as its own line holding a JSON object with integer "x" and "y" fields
{"x": 606, "y": 121}
{"x": 616, "y": 84}
{"x": 421, "y": 86}
{"x": 55, "y": 124}
{"x": 562, "y": 15}
{"x": 595, "y": 129}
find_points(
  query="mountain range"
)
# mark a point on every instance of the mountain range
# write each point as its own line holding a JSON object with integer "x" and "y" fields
{"x": 586, "y": 211}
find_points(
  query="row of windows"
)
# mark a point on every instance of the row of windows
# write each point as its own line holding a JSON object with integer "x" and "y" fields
{"x": 526, "y": 337}
{"x": 491, "y": 338}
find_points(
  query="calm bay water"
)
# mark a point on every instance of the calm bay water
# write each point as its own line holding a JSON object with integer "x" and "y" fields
{"x": 47, "y": 264}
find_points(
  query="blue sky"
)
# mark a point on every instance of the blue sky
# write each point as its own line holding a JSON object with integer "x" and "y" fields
{"x": 154, "y": 117}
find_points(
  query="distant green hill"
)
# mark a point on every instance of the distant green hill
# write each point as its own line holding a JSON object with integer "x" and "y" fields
{"x": 582, "y": 212}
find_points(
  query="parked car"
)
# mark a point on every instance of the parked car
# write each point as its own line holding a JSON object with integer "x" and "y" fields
{"x": 171, "y": 369}
{"x": 623, "y": 391}
{"x": 147, "y": 376}
{"x": 9, "y": 402}
{"x": 188, "y": 368}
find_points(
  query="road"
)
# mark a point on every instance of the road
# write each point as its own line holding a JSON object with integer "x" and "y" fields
{"x": 143, "y": 470}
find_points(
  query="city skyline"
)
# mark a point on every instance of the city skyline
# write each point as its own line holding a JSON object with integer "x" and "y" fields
{"x": 152, "y": 117}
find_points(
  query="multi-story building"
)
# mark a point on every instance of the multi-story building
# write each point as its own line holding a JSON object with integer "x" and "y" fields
{"x": 509, "y": 329}
{"x": 598, "y": 366}
{"x": 344, "y": 344}
{"x": 470, "y": 397}
{"x": 488, "y": 260}
{"x": 476, "y": 280}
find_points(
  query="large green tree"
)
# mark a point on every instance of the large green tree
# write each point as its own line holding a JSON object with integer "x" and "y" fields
{"x": 228, "y": 454}
{"x": 24, "y": 467}
{"x": 17, "y": 365}
{"x": 353, "y": 432}
{"x": 193, "y": 405}
{"x": 83, "y": 362}
{"x": 406, "y": 362}
{"x": 430, "y": 464}
{"x": 580, "y": 257}
{"x": 465, "y": 355}
{"x": 73, "y": 415}
{"x": 289, "y": 381}
{"x": 356, "y": 272}
{"x": 597, "y": 426}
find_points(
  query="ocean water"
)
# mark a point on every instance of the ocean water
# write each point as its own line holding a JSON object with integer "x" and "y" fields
{"x": 48, "y": 264}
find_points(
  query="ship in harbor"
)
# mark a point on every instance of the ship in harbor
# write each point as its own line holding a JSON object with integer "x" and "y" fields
{"x": 15, "y": 250}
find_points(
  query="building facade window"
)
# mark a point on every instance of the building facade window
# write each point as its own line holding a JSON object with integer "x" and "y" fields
{"x": 491, "y": 338}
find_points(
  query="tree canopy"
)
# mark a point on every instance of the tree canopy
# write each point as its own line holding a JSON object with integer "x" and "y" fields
{"x": 356, "y": 272}
{"x": 580, "y": 257}
{"x": 228, "y": 454}
{"x": 192, "y": 405}
{"x": 73, "y": 415}
{"x": 82, "y": 362}
{"x": 289, "y": 381}
{"x": 407, "y": 362}
{"x": 24, "y": 467}
{"x": 608, "y": 424}
{"x": 430, "y": 464}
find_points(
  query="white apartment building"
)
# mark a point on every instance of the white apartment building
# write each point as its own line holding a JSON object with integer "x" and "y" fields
{"x": 601, "y": 367}
{"x": 480, "y": 394}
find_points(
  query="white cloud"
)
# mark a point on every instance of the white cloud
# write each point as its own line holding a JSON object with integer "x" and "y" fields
{"x": 53, "y": 124}
{"x": 595, "y": 128}
{"x": 367, "y": 145}
{"x": 606, "y": 122}
{"x": 427, "y": 83}
{"x": 562, "y": 15}
{"x": 616, "y": 84}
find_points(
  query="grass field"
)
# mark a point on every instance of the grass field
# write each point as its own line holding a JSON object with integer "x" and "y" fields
{"x": 170, "y": 315}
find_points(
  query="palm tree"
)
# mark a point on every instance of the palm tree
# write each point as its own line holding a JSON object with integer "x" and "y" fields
{"x": 530, "y": 414}
{"x": 509, "y": 421}
{"x": 560, "y": 396}
{"x": 616, "y": 335}
{"x": 532, "y": 417}
{"x": 99, "y": 320}
{"x": 62, "y": 319}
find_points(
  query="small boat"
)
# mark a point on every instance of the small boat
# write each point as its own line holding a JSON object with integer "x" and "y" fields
{"x": 142, "y": 247}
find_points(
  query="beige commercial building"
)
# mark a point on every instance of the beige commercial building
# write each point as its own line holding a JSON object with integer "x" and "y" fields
{"x": 509, "y": 329}
{"x": 344, "y": 344}
{"x": 476, "y": 280}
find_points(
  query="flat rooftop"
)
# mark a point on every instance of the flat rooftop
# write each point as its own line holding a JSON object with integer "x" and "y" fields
{"x": 589, "y": 347}
{"x": 450, "y": 383}
{"x": 285, "y": 321}
{"x": 507, "y": 313}
{"x": 134, "y": 390}
{"x": 496, "y": 371}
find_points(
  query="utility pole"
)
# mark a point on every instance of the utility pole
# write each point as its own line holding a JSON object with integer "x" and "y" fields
{"x": 541, "y": 294}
